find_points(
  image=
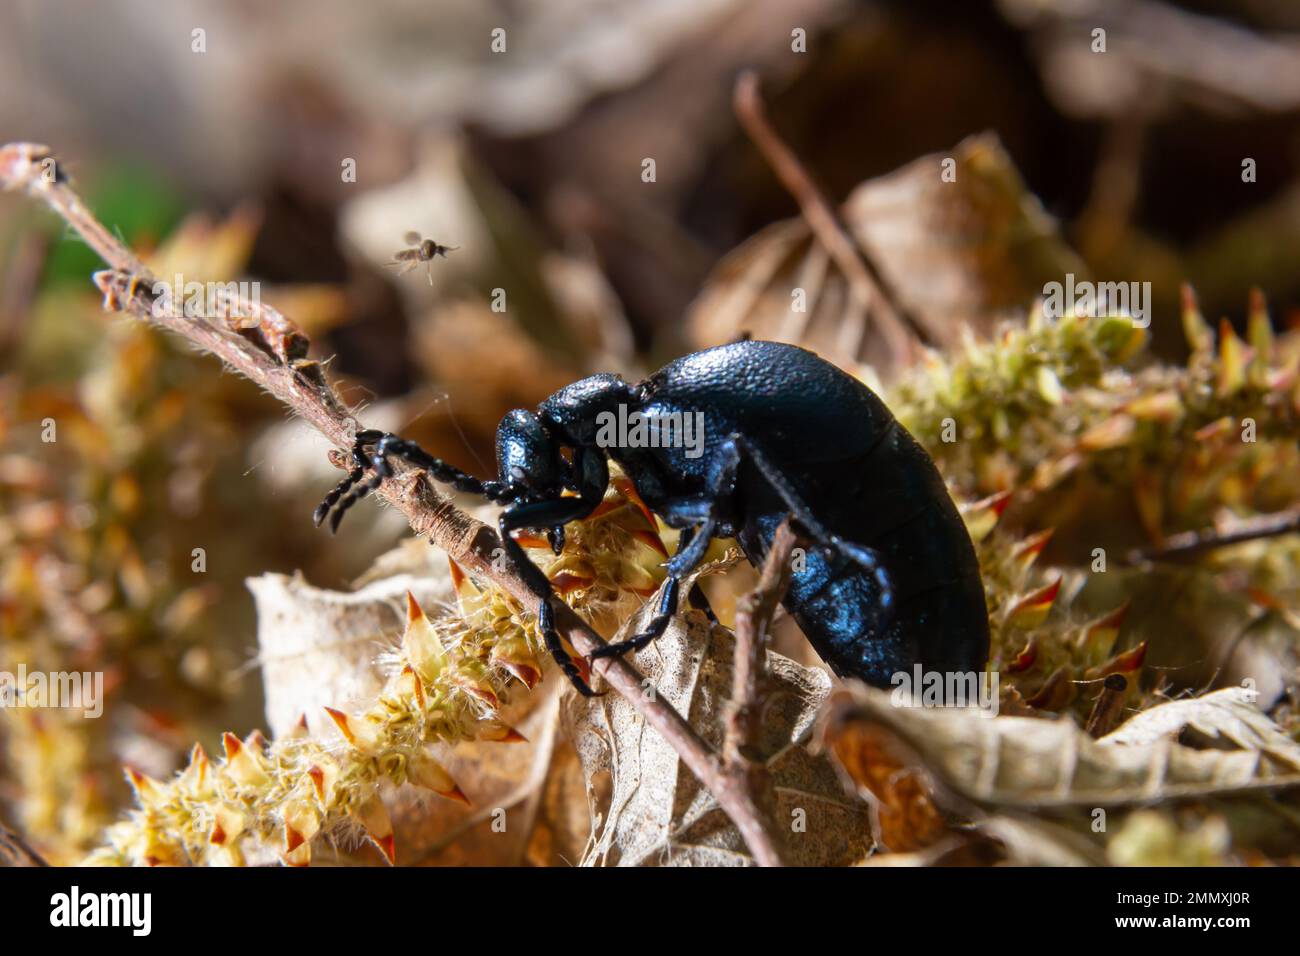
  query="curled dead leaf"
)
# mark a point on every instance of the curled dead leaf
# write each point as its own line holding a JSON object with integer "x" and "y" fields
{"x": 979, "y": 761}
{"x": 906, "y": 819}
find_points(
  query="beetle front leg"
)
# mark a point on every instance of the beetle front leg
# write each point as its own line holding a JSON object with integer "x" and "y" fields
{"x": 359, "y": 464}
{"x": 352, "y": 489}
{"x": 545, "y": 514}
{"x": 554, "y": 513}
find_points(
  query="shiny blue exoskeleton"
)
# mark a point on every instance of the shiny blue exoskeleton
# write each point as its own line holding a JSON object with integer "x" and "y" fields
{"x": 889, "y": 579}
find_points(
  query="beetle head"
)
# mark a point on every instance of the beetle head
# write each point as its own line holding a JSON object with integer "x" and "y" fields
{"x": 528, "y": 455}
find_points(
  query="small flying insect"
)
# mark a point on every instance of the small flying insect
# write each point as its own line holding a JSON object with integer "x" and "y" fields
{"x": 421, "y": 250}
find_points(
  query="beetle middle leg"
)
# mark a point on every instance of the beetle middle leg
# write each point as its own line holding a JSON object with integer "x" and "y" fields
{"x": 534, "y": 514}
{"x": 723, "y": 473}
{"x": 554, "y": 513}
{"x": 700, "y": 601}
{"x": 698, "y": 517}
{"x": 691, "y": 546}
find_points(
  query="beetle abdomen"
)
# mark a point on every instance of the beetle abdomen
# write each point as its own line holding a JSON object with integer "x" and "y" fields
{"x": 891, "y": 499}
{"x": 864, "y": 478}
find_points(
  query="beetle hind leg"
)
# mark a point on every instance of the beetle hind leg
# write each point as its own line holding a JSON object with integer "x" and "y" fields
{"x": 868, "y": 559}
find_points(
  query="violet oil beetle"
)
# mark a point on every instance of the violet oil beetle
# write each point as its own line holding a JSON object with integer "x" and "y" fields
{"x": 890, "y": 580}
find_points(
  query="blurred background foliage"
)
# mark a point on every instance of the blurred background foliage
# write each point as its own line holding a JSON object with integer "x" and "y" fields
{"x": 227, "y": 163}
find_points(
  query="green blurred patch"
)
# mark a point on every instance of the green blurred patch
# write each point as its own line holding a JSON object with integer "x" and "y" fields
{"x": 132, "y": 200}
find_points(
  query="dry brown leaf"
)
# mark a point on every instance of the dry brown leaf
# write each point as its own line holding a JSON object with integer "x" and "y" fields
{"x": 479, "y": 357}
{"x": 647, "y": 807}
{"x": 563, "y": 826}
{"x": 906, "y": 819}
{"x": 1229, "y": 714}
{"x": 528, "y": 802}
{"x": 499, "y": 315}
{"x": 964, "y": 252}
{"x": 321, "y": 648}
{"x": 1036, "y": 765}
{"x": 318, "y": 648}
{"x": 1029, "y": 842}
{"x": 952, "y": 253}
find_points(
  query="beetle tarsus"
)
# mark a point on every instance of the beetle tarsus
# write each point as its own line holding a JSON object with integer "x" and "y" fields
{"x": 546, "y": 624}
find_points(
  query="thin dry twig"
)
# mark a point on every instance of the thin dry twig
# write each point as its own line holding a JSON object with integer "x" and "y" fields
{"x": 1188, "y": 544}
{"x": 741, "y": 762}
{"x": 15, "y": 851}
{"x": 1217, "y": 64}
{"x": 821, "y": 218}
{"x": 1109, "y": 708}
{"x": 300, "y": 384}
